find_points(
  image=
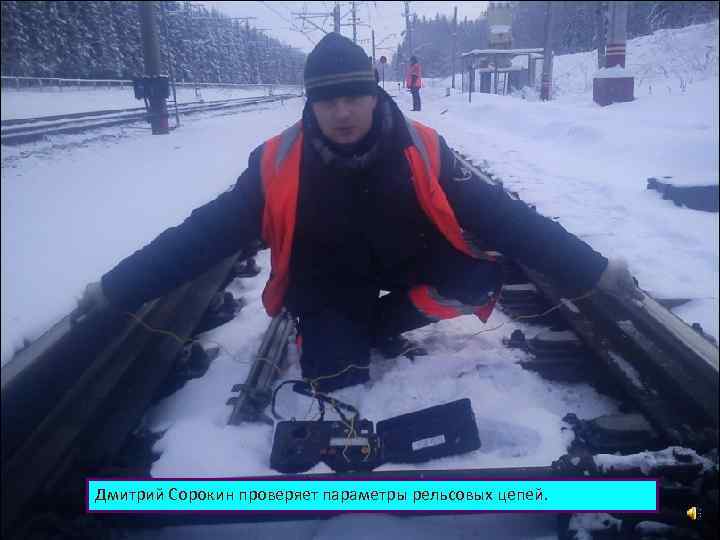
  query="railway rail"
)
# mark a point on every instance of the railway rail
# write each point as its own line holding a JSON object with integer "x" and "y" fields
{"x": 27, "y": 130}
{"x": 73, "y": 400}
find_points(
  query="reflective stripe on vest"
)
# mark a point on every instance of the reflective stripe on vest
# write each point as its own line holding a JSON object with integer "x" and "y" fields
{"x": 433, "y": 305}
{"x": 424, "y": 159}
{"x": 280, "y": 170}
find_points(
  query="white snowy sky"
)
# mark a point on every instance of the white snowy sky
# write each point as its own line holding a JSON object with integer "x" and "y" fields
{"x": 386, "y": 18}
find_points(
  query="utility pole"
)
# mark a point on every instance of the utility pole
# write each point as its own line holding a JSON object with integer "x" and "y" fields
{"x": 354, "y": 22}
{"x": 372, "y": 34}
{"x": 601, "y": 36}
{"x": 170, "y": 62}
{"x": 151, "y": 54}
{"x": 408, "y": 28}
{"x": 336, "y": 18}
{"x": 454, "y": 46}
{"x": 545, "y": 89}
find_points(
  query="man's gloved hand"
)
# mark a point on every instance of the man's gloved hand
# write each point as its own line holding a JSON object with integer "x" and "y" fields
{"x": 617, "y": 280}
{"x": 92, "y": 299}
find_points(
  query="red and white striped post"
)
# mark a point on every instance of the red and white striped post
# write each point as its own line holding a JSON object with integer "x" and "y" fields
{"x": 612, "y": 84}
{"x": 615, "y": 55}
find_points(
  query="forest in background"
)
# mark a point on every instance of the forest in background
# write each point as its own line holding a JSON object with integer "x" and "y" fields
{"x": 91, "y": 39}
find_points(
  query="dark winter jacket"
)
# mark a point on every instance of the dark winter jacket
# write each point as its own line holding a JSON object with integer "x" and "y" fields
{"x": 359, "y": 225}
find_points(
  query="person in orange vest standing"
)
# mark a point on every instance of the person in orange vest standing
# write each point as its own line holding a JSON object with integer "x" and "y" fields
{"x": 354, "y": 199}
{"x": 413, "y": 81}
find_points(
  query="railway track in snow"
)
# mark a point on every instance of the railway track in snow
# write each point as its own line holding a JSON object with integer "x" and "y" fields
{"x": 72, "y": 402}
{"x": 26, "y": 130}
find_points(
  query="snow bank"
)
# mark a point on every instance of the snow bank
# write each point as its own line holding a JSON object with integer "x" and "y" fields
{"x": 614, "y": 72}
{"x": 663, "y": 62}
{"x": 588, "y": 165}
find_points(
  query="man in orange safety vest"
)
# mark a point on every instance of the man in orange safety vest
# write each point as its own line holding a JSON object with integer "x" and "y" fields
{"x": 413, "y": 80}
{"x": 355, "y": 199}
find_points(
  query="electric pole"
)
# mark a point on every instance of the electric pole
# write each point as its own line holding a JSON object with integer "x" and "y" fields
{"x": 546, "y": 87}
{"x": 170, "y": 61}
{"x": 151, "y": 54}
{"x": 372, "y": 34}
{"x": 354, "y": 22}
{"x": 601, "y": 32}
{"x": 454, "y": 46}
{"x": 336, "y": 18}
{"x": 408, "y": 28}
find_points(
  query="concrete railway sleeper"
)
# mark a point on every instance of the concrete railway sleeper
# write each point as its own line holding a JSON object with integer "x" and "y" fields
{"x": 73, "y": 400}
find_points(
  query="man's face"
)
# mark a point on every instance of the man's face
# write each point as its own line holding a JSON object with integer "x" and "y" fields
{"x": 345, "y": 120}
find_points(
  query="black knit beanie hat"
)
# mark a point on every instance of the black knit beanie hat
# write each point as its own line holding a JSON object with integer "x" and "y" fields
{"x": 337, "y": 67}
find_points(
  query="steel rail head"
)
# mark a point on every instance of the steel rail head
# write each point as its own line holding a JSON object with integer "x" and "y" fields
{"x": 103, "y": 397}
{"x": 678, "y": 359}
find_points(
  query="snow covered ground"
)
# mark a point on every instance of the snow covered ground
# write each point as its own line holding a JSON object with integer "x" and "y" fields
{"x": 74, "y": 206}
{"x": 589, "y": 165}
{"x": 519, "y": 414}
{"x": 662, "y": 63}
{"x": 48, "y": 101}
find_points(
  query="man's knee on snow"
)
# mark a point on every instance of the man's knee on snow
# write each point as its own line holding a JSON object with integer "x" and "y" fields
{"x": 335, "y": 350}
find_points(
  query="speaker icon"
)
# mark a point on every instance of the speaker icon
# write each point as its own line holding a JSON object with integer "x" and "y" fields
{"x": 694, "y": 513}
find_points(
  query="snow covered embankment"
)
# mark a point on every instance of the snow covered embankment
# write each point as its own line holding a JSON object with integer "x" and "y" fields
{"x": 588, "y": 165}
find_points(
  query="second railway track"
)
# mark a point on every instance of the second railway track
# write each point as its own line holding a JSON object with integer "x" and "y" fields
{"x": 26, "y": 130}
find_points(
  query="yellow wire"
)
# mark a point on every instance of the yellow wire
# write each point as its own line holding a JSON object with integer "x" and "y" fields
{"x": 182, "y": 341}
{"x": 186, "y": 341}
{"x": 313, "y": 382}
{"x": 351, "y": 434}
{"x": 528, "y": 317}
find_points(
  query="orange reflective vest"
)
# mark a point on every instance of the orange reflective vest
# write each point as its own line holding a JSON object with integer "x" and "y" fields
{"x": 280, "y": 171}
{"x": 414, "y": 69}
